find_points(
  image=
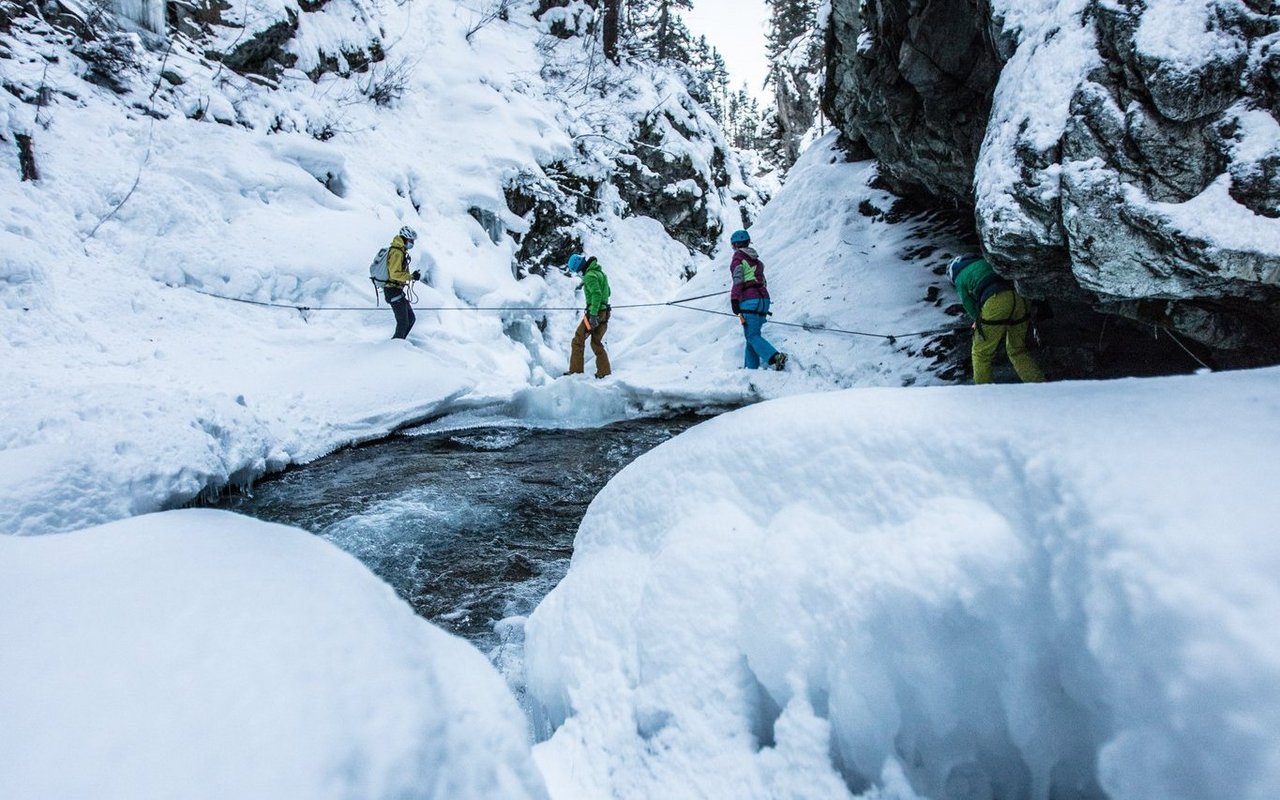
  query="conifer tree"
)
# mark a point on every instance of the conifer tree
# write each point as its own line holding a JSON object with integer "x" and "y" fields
{"x": 788, "y": 21}
{"x": 660, "y": 28}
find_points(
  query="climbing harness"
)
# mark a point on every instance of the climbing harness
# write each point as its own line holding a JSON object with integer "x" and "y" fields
{"x": 406, "y": 291}
{"x": 1011, "y": 321}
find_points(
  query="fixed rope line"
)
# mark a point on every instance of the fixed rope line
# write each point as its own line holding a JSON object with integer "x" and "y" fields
{"x": 810, "y": 327}
{"x": 265, "y": 304}
{"x": 813, "y": 328}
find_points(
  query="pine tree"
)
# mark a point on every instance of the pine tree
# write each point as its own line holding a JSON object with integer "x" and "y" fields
{"x": 657, "y": 24}
{"x": 788, "y": 21}
{"x": 672, "y": 36}
{"x": 719, "y": 81}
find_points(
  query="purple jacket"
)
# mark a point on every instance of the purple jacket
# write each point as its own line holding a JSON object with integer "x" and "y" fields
{"x": 748, "y": 276}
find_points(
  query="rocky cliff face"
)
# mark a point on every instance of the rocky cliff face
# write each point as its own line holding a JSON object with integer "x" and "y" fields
{"x": 914, "y": 81}
{"x": 1125, "y": 153}
{"x": 797, "y": 77}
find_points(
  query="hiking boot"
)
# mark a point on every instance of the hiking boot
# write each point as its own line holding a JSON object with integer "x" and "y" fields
{"x": 778, "y": 361}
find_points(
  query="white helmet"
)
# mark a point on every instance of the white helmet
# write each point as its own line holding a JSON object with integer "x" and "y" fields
{"x": 408, "y": 234}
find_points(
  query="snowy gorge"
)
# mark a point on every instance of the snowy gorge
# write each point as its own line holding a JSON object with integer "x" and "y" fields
{"x": 868, "y": 583}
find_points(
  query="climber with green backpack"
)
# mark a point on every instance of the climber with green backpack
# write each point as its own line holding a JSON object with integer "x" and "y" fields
{"x": 390, "y": 273}
{"x": 999, "y": 313}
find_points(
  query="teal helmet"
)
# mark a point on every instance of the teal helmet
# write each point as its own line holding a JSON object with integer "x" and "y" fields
{"x": 576, "y": 262}
{"x": 740, "y": 237}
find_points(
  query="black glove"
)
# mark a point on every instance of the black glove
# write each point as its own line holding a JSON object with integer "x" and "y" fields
{"x": 737, "y": 308}
{"x": 417, "y": 276}
{"x": 593, "y": 320}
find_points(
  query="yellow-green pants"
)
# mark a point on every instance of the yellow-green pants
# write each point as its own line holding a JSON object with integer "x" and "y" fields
{"x": 986, "y": 339}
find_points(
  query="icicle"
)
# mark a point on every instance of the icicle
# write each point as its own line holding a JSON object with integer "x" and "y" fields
{"x": 150, "y": 14}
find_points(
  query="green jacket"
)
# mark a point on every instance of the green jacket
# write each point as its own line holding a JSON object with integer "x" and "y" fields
{"x": 596, "y": 288}
{"x": 967, "y": 283}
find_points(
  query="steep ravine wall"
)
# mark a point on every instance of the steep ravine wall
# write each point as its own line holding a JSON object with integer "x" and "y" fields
{"x": 1124, "y": 154}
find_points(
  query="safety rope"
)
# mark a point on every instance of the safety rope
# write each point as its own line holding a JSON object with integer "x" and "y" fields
{"x": 814, "y": 328}
{"x": 810, "y": 327}
{"x": 265, "y": 304}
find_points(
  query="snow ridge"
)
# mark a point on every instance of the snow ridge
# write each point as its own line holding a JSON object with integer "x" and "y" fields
{"x": 1011, "y": 589}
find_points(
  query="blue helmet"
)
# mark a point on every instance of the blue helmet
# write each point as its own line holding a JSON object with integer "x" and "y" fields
{"x": 740, "y": 237}
{"x": 958, "y": 265}
{"x": 575, "y": 262}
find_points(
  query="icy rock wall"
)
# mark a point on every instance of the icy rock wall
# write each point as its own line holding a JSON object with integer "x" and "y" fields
{"x": 1121, "y": 152}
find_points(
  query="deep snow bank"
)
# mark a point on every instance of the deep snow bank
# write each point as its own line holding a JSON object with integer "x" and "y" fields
{"x": 197, "y": 654}
{"x": 1016, "y": 592}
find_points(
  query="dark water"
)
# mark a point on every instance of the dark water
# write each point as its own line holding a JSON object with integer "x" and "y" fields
{"x": 469, "y": 526}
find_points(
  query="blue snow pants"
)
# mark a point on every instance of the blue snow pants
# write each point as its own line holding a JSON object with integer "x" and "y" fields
{"x": 758, "y": 350}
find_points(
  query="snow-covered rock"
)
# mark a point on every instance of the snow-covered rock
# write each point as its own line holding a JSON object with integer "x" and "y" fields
{"x": 198, "y": 654}
{"x": 1060, "y": 591}
{"x": 1129, "y": 143}
{"x": 1121, "y": 153}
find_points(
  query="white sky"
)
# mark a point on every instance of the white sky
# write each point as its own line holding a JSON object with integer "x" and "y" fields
{"x": 737, "y": 29}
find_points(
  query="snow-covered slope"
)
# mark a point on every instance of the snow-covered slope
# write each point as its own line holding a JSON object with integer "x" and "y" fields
{"x": 839, "y": 255}
{"x": 1038, "y": 592}
{"x": 835, "y": 258}
{"x": 198, "y": 654}
{"x": 127, "y": 387}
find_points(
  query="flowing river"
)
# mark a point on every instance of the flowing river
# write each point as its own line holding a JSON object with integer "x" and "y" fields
{"x": 469, "y": 526}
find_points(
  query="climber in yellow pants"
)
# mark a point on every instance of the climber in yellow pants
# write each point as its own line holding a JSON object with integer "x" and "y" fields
{"x": 1000, "y": 313}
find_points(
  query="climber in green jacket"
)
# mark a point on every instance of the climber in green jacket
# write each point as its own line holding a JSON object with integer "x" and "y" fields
{"x": 998, "y": 312}
{"x": 595, "y": 286}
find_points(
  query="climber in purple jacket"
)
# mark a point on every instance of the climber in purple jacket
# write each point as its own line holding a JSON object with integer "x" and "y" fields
{"x": 750, "y": 300}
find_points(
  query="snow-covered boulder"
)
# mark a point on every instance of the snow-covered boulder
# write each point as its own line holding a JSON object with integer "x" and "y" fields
{"x": 1064, "y": 591}
{"x": 1119, "y": 152}
{"x": 1131, "y": 153}
{"x": 198, "y": 654}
